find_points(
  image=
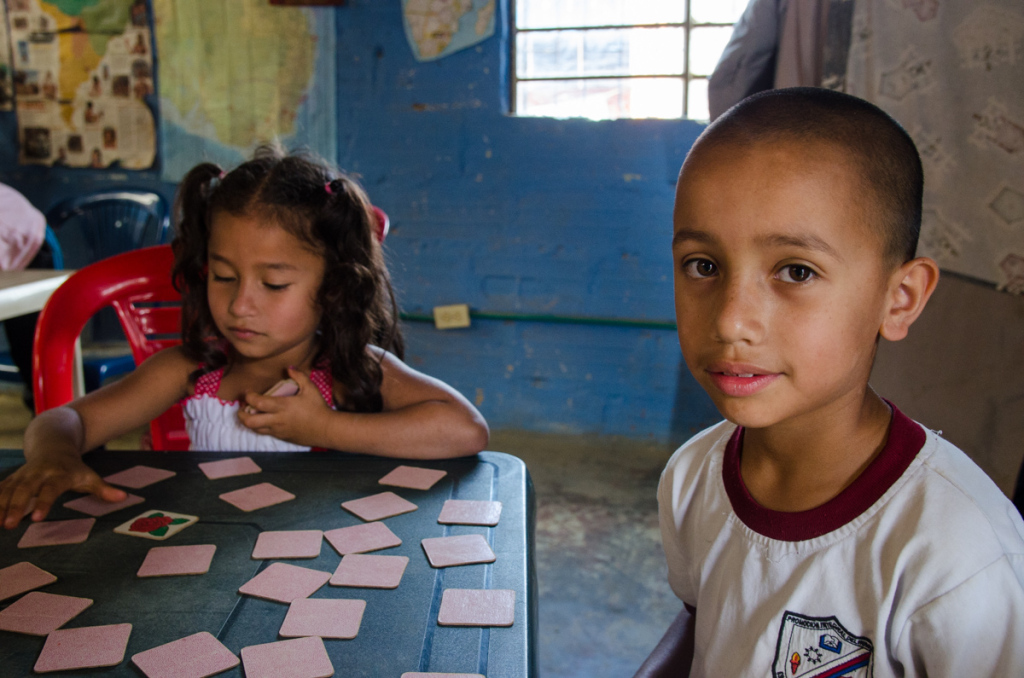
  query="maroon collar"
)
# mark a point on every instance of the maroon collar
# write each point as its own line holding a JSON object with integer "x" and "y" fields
{"x": 906, "y": 438}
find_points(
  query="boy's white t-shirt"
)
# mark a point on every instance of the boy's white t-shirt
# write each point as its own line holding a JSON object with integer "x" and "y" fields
{"x": 916, "y": 569}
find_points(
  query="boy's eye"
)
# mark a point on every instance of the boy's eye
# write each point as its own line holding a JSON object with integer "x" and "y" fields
{"x": 275, "y": 288}
{"x": 700, "y": 268}
{"x": 796, "y": 273}
{"x": 222, "y": 278}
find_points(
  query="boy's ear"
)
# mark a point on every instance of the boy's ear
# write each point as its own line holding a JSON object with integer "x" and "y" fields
{"x": 910, "y": 287}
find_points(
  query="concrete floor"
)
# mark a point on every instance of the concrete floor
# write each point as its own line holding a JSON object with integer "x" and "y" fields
{"x": 604, "y": 598}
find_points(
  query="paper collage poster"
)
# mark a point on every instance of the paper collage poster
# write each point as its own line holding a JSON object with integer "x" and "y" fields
{"x": 82, "y": 72}
{"x": 437, "y": 28}
{"x": 6, "y": 74}
{"x": 238, "y": 73}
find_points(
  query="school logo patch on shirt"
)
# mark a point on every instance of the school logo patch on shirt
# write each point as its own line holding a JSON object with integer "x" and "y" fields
{"x": 820, "y": 647}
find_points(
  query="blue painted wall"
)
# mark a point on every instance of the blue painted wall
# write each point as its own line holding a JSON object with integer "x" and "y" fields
{"x": 510, "y": 215}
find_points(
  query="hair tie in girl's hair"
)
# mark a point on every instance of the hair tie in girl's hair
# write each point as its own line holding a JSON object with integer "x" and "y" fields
{"x": 222, "y": 174}
{"x": 327, "y": 187}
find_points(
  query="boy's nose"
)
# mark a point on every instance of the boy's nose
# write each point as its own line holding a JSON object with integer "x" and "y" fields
{"x": 741, "y": 314}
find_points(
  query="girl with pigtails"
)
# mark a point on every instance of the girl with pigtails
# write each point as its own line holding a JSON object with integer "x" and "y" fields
{"x": 282, "y": 277}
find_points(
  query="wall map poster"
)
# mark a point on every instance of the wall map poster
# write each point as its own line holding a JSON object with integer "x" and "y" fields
{"x": 82, "y": 72}
{"x": 6, "y": 77}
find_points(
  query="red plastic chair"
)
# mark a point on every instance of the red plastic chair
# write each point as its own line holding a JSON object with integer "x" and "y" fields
{"x": 137, "y": 285}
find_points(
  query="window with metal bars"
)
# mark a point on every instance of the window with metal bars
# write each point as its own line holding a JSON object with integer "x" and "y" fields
{"x": 604, "y": 59}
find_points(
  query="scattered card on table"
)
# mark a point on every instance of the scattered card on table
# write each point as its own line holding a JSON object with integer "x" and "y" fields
{"x": 413, "y": 477}
{"x": 467, "y": 512}
{"x": 138, "y": 477}
{"x": 369, "y": 572}
{"x": 465, "y": 549}
{"x": 362, "y": 538}
{"x": 38, "y": 613}
{"x": 225, "y": 468}
{"x": 296, "y": 658}
{"x": 20, "y": 577}
{"x": 157, "y": 525}
{"x": 86, "y": 647}
{"x": 54, "y": 532}
{"x": 477, "y": 607}
{"x": 378, "y": 506}
{"x": 91, "y": 505}
{"x": 416, "y": 674}
{"x": 197, "y": 656}
{"x": 284, "y": 583}
{"x": 257, "y": 496}
{"x": 323, "y": 617}
{"x": 288, "y": 544}
{"x": 168, "y": 561}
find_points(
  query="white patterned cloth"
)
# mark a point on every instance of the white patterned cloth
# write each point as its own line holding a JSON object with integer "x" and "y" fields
{"x": 213, "y": 424}
{"x": 952, "y": 73}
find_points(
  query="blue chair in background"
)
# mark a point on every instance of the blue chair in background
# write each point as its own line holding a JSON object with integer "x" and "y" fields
{"x": 92, "y": 227}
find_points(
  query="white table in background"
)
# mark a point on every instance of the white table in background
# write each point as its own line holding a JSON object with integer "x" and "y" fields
{"x": 26, "y": 291}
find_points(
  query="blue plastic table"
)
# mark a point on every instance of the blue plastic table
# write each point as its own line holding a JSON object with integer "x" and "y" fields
{"x": 399, "y": 630}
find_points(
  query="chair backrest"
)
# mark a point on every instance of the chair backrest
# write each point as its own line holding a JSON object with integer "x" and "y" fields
{"x": 137, "y": 284}
{"x": 99, "y": 225}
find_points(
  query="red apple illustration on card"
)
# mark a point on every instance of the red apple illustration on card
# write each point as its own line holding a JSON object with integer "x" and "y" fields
{"x": 157, "y": 525}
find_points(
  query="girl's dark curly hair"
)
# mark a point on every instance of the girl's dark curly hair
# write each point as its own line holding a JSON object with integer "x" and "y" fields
{"x": 328, "y": 212}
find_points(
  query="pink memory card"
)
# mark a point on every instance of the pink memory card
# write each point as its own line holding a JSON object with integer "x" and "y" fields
{"x": 362, "y": 570}
{"x": 86, "y": 647}
{"x": 466, "y": 512}
{"x": 226, "y": 468}
{"x": 465, "y": 549}
{"x": 168, "y": 561}
{"x": 296, "y": 658}
{"x": 197, "y": 656}
{"x": 91, "y": 505}
{"x": 379, "y": 506}
{"x": 477, "y": 607}
{"x": 413, "y": 477}
{"x": 362, "y": 538}
{"x": 257, "y": 496}
{"x": 20, "y": 577}
{"x": 288, "y": 544}
{"x": 323, "y": 617}
{"x": 39, "y": 614}
{"x": 284, "y": 583}
{"x": 417, "y": 674}
{"x": 138, "y": 477}
{"x": 55, "y": 532}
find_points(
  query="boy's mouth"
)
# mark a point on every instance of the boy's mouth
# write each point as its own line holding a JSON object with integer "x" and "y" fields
{"x": 739, "y": 381}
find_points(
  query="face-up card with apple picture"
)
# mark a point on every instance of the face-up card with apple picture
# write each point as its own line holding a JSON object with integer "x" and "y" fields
{"x": 157, "y": 525}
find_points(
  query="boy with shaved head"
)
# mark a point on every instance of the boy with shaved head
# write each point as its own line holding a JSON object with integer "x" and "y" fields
{"x": 819, "y": 531}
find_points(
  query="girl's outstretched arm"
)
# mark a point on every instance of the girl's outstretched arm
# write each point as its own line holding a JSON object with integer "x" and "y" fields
{"x": 423, "y": 418}
{"x": 56, "y": 440}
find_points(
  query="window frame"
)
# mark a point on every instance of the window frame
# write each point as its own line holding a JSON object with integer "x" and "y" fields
{"x": 685, "y": 76}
